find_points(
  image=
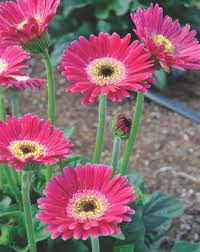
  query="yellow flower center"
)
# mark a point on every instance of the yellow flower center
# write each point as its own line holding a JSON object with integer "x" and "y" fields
{"x": 20, "y": 26}
{"x": 24, "y": 149}
{"x": 162, "y": 40}
{"x": 3, "y": 65}
{"x": 87, "y": 205}
{"x": 105, "y": 71}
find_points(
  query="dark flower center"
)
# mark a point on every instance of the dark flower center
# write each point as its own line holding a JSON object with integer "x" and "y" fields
{"x": 27, "y": 149}
{"x": 106, "y": 71}
{"x": 89, "y": 206}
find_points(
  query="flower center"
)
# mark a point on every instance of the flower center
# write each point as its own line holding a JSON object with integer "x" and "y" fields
{"x": 105, "y": 71}
{"x": 162, "y": 40}
{"x": 20, "y": 26}
{"x": 3, "y": 65}
{"x": 89, "y": 204}
{"x": 25, "y": 148}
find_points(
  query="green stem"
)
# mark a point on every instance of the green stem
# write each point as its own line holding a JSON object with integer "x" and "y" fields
{"x": 133, "y": 133}
{"x": 116, "y": 154}
{"x": 26, "y": 181}
{"x": 2, "y": 107}
{"x": 15, "y": 112}
{"x": 9, "y": 172}
{"x": 101, "y": 129}
{"x": 51, "y": 99}
{"x": 15, "y": 102}
{"x": 51, "y": 87}
{"x": 95, "y": 244}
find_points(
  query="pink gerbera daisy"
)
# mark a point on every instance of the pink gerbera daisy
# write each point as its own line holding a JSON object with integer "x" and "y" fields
{"x": 171, "y": 45}
{"x": 23, "y": 82}
{"x": 31, "y": 140}
{"x": 25, "y": 20}
{"x": 86, "y": 202}
{"x": 106, "y": 65}
{"x": 11, "y": 62}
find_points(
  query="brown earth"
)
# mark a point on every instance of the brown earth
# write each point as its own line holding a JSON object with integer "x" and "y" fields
{"x": 167, "y": 143}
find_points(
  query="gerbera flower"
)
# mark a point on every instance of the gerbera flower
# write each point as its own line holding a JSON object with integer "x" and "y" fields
{"x": 23, "y": 82}
{"x": 31, "y": 140}
{"x": 11, "y": 62}
{"x": 106, "y": 65}
{"x": 121, "y": 126}
{"x": 86, "y": 202}
{"x": 25, "y": 20}
{"x": 171, "y": 45}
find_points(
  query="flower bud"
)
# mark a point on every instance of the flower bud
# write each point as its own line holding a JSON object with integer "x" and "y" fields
{"x": 121, "y": 127}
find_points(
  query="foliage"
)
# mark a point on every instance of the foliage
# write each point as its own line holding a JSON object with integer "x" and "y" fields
{"x": 183, "y": 246}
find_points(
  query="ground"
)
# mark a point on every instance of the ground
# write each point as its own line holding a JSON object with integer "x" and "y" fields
{"x": 167, "y": 143}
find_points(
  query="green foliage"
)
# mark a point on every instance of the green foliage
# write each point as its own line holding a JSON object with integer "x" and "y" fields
{"x": 161, "y": 79}
{"x": 153, "y": 218}
{"x": 183, "y": 246}
{"x": 124, "y": 248}
{"x": 159, "y": 213}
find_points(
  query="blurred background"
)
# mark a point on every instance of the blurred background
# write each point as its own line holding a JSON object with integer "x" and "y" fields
{"x": 168, "y": 146}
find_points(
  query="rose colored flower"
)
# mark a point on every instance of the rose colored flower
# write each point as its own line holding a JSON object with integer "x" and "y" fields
{"x": 171, "y": 45}
{"x": 25, "y": 20}
{"x": 122, "y": 126}
{"x": 31, "y": 140}
{"x": 11, "y": 62}
{"x": 23, "y": 82}
{"x": 106, "y": 65}
{"x": 86, "y": 202}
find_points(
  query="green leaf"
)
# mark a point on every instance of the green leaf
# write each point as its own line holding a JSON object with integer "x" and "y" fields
{"x": 118, "y": 236}
{"x": 161, "y": 79}
{"x": 136, "y": 178}
{"x": 73, "y": 160}
{"x": 124, "y": 248}
{"x": 68, "y": 131}
{"x": 183, "y": 246}
{"x": 159, "y": 213}
{"x": 4, "y": 234}
{"x": 134, "y": 231}
{"x": 69, "y": 5}
{"x": 60, "y": 46}
{"x": 103, "y": 26}
{"x": 121, "y": 7}
{"x": 5, "y": 202}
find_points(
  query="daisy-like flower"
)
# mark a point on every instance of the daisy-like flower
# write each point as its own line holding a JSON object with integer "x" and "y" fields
{"x": 172, "y": 45}
{"x": 11, "y": 64}
{"x": 121, "y": 127}
{"x": 23, "y": 82}
{"x": 86, "y": 202}
{"x": 25, "y": 20}
{"x": 107, "y": 65}
{"x": 31, "y": 140}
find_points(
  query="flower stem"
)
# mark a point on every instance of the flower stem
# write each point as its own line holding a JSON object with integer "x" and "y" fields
{"x": 26, "y": 181}
{"x": 95, "y": 244}
{"x": 51, "y": 98}
{"x": 15, "y": 102}
{"x": 9, "y": 172}
{"x": 115, "y": 154}
{"x": 133, "y": 133}
{"x": 51, "y": 87}
{"x": 2, "y": 107}
{"x": 101, "y": 129}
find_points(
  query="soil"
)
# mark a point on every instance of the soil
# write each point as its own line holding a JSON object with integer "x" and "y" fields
{"x": 167, "y": 143}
